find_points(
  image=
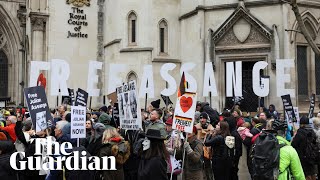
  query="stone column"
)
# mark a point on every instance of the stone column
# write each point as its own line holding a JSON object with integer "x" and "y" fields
{"x": 38, "y": 27}
{"x": 22, "y": 66}
{"x": 100, "y": 52}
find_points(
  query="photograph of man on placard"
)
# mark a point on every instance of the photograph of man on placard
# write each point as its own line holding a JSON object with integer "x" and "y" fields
{"x": 133, "y": 104}
{"x": 41, "y": 120}
{"x": 126, "y": 106}
{"x": 120, "y": 105}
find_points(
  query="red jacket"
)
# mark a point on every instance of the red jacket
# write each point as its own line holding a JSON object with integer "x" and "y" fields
{"x": 10, "y": 130}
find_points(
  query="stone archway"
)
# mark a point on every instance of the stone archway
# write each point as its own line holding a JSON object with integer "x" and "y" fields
{"x": 10, "y": 44}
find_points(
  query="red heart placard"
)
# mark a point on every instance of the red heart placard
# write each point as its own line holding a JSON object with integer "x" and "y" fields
{"x": 185, "y": 103}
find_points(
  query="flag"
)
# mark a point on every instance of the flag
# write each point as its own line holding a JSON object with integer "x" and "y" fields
{"x": 183, "y": 85}
{"x": 166, "y": 100}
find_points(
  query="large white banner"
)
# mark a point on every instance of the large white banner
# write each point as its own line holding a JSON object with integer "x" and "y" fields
{"x": 128, "y": 103}
{"x": 78, "y": 122}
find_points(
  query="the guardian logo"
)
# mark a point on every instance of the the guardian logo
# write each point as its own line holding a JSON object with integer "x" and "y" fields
{"x": 45, "y": 159}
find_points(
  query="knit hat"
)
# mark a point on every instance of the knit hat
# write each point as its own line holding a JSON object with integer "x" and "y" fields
{"x": 203, "y": 115}
{"x": 238, "y": 111}
{"x": 99, "y": 128}
{"x": 156, "y": 103}
{"x": 3, "y": 137}
{"x": 304, "y": 120}
{"x": 169, "y": 121}
{"x": 66, "y": 129}
{"x": 104, "y": 109}
{"x": 104, "y": 118}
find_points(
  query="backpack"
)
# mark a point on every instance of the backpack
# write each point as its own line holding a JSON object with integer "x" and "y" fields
{"x": 266, "y": 157}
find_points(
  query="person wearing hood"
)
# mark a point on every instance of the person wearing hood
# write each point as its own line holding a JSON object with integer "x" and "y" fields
{"x": 238, "y": 147}
{"x": 272, "y": 111}
{"x": 213, "y": 114}
{"x": 6, "y": 150}
{"x": 95, "y": 142}
{"x": 289, "y": 163}
{"x": 305, "y": 135}
{"x": 105, "y": 119}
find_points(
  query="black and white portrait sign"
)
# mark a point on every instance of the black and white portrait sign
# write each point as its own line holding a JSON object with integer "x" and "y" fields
{"x": 128, "y": 104}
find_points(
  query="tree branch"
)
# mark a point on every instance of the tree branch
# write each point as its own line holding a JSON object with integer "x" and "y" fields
{"x": 303, "y": 28}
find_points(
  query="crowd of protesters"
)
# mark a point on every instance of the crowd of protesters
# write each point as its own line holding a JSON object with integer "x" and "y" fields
{"x": 212, "y": 151}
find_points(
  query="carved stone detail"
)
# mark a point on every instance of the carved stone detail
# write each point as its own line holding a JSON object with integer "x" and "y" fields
{"x": 79, "y": 3}
{"x": 255, "y": 37}
{"x": 38, "y": 21}
{"x": 22, "y": 16}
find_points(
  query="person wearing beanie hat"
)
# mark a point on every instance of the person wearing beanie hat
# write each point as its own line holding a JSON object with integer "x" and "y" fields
{"x": 193, "y": 162}
{"x": 204, "y": 128}
{"x": 305, "y": 138}
{"x": 103, "y": 109}
{"x": 105, "y": 119}
{"x": 154, "y": 105}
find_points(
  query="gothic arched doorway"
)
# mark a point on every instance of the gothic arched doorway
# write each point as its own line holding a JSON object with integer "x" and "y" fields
{"x": 3, "y": 74}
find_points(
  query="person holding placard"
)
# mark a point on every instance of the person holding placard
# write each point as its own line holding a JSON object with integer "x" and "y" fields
{"x": 193, "y": 162}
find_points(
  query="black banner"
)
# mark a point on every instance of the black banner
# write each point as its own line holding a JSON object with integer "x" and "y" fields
{"x": 38, "y": 107}
{"x": 82, "y": 98}
{"x": 66, "y": 100}
{"x": 166, "y": 100}
{"x": 72, "y": 96}
{"x": 288, "y": 108}
{"x": 115, "y": 114}
{"x": 312, "y": 104}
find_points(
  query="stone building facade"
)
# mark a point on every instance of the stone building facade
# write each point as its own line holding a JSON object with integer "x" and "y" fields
{"x": 155, "y": 32}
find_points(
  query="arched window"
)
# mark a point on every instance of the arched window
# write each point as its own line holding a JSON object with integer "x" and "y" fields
{"x": 132, "y": 76}
{"x": 163, "y": 37}
{"x": 3, "y": 74}
{"x": 132, "y": 29}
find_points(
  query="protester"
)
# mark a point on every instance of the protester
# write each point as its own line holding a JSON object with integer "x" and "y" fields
{"x": 95, "y": 142}
{"x": 105, "y": 119}
{"x": 153, "y": 165}
{"x": 114, "y": 145}
{"x": 193, "y": 161}
{"x": 213, "y": 114}
{"x": 236, "y": 114}
{"x": 153, "y": 105}
{"x": 156, "y": 124}
{"x": 303, "y": 142}
{"x": 244, "y": 131}
{"x": 272, "y": 111}
{"x": 173, "y": 144}
{"x": 6, "y": 150}
{"x": 316, "y": 125}
{"x": 10, "y": 125}
{"x": 289, "y": 164}
{"x": 221, "y": 161}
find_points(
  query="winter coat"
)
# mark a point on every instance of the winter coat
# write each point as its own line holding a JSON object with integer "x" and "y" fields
{"x": 158, "y": 126}
{"x": 194, "y": 160}
{"x": 299, "y": 142}
{"x": 11, "y": 132}
{"x": 112, "y": 149}
{"x": 213, "y": 114}
{"x": 6, "y": 171}
{"x": 94, "y": 146}
{"x": 154, "y": 168}
{"x": 289, "y": 160}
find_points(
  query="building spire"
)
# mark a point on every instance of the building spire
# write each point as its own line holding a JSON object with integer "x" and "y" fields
{"x": 241, "y": 3}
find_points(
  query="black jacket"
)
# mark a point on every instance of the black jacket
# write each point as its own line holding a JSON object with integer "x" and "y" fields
{"x": 213, "y": 114}
{"x": 6, "y": 171}
{"x": 154, "y": 168}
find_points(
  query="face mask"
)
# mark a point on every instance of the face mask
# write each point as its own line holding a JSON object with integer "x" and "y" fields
{"x": 146, "y": 144}
{"x": 230, "y": 141}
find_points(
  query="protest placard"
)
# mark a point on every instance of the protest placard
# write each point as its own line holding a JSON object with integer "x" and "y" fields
{"x": 38, "y": 107}
{"x": 128, "y": 103}
{"x": 287, "y": 105}
{"x": 72, "y": 96}
{"x": 183, "y": 119}
{"x": 82, "y": 98}
{"x": 115, "y": 114}
{"x": 78, "y": 122}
